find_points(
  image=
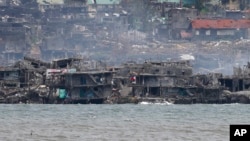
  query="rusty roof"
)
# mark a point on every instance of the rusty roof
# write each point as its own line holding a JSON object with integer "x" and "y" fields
{"x": 220, "y": 23}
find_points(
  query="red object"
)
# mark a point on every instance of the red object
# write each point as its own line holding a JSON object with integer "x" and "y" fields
{"x": 220, "y": 23}
{"x": 133, "y": 78}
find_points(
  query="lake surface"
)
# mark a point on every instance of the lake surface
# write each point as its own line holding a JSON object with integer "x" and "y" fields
{"x": 127, "y": 122}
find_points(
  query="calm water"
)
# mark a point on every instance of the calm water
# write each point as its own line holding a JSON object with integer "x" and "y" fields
{"x": 120, "y": 122}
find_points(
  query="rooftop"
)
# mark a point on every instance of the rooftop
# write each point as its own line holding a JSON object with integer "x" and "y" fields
{"x": 50, "y": 2}
{"x": 104, "y": 2}
{"x": 220, "y": 23}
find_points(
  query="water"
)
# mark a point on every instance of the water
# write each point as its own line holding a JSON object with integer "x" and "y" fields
{"x": 120, "y": 122}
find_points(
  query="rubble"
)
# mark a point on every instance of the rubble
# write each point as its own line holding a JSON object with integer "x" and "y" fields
{"x": 73, "y": 81}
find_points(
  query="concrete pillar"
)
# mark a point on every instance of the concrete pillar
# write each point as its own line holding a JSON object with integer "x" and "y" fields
{"x": 243, "y": 84}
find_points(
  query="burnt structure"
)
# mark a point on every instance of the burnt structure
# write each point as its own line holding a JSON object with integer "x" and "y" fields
{"x": 72, "y": 81}
{"x": 10, "y": 77}
{"x": 88, "y": 87}
{"x": 157, "y": 78}
{"x": 172, "y": 80}
{"x": 239, "y": 81}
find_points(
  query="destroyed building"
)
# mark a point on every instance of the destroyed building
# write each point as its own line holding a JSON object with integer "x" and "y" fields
{"x": 150, "y": 78}
{"x": 172, "y": 80}
{"x": 72, "y": 81}
{"x": 239, "y": 81}
{"x": 75, "y": 80}
{"x": 88, "y": 86}
{"x": 107, "y": 30}
{"x": 10, "y": 78}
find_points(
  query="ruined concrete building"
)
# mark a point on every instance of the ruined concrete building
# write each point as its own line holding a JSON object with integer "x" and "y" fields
{"x": 10, "y": 77}
{"x": 169, "y": 80}
{"x": 151, "y": 78}
{"x": 239, "y": 81}
{"x": 63, "y": 81}
{"x": 89, "y": 86}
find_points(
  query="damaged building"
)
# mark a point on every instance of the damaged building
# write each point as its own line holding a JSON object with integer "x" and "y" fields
{"x": 75, "y": 80}
{"x": 160, "y": 79}
{"x": 239, "y": 81}
{"x": 171, "y": 80}
{"x": 69, "y": 81}
{"x": 88, "y": 87}
{"x": 10, "y": 78}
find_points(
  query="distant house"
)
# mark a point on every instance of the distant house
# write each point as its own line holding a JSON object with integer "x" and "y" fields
{"x": 220, "y": 28}
{"x": 50, "y": 2}
{"x": 169, "y": 1}
{"x": 104, "y": 2}
{"x": 99, "y": 4}
{"x": 176, "y": 2}
{"x": 166, "y": 3}
{"x": 234, "y": 14}
{"x": 103, "y": 5}
{"x": 45, "y": 4}
{"x": 178, "y": 19}
{"x": 108, "y": 15}
{"x": 233, "y": 5}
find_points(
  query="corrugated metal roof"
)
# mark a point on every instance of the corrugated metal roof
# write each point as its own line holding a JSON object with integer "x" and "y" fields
{"x": 184, "y": 2}
{"x": 103, "y": 2}
{"x": 220, "y": 23}
{"x": 48, "y": 2}
{"x": 188, "y": 1}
